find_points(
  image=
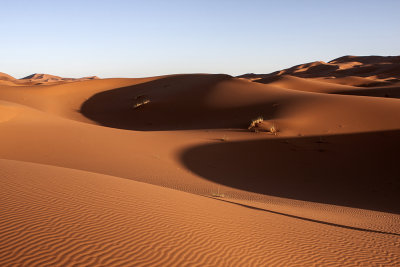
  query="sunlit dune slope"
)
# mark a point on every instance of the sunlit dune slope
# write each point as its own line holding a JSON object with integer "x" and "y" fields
{"x": 87, "y": 219}
{"x": 6, "y": 77}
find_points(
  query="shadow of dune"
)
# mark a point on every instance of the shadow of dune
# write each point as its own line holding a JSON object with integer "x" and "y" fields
{"x": 390, "y": 92}
{"x": 386, "y": 69}
{"x": 176, "y": 102}
{"x": 306, "y": 219}
{"x": 354, "y": 170}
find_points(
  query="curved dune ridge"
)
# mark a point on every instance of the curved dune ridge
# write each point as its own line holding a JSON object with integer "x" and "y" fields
{"x": 361, "y": 66}
{"x": 369, "y": 76}
{"x": 165, "y": 171}
{"x": 87, "y": 219}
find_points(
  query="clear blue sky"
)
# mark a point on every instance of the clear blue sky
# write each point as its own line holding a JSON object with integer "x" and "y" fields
{"x": 121, "y": 38}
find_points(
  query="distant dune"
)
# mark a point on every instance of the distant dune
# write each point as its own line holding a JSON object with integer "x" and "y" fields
{"x": 39, "y": 79}
{"x": 6, "y": 77}
{"x": 51, "y": 78}
{"x": 368, "y": 76}
{"x": 366, "y": 66}
{"x": 293, "y": 168}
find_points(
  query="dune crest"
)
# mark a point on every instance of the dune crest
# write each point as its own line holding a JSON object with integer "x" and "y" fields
{"x": 362, "y": 66}
{"x": 45, "y": 78}
{"x": 39, "y": 79}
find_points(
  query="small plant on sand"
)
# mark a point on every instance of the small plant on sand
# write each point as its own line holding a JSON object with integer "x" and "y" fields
{"x": 140, "y": 101}
{"x": 254, "y": 123}
{"x": 217, "y": 194}
{"x": 273, "y": 129}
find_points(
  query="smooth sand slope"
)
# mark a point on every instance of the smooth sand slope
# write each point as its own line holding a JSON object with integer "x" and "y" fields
{"x": 163, "y": 171}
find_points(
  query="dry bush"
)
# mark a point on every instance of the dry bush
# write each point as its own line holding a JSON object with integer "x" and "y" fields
{"x": 273, "y": 129}
{"x": 254, "y": 123}
{"x": 140, "y": 101}
{"x": 255, "y": 126}
{"x": 217, "y": 194}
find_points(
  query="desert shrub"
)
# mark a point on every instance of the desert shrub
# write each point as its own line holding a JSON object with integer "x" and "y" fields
{"x": 254, "y": 123}
{"x": 255, "y": 126}
{"x": 218, "y": 193}
{"x": 140, "y": 101}
{"x": 273, "y": 129}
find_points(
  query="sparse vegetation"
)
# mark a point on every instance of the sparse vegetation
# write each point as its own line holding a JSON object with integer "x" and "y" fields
{"x": 256, "y": 127}
{"x": 273, "y": 129}
{"x": 140, "y": 101}
{"x": 254, "y": 123}
{"x": 217, "y": 194}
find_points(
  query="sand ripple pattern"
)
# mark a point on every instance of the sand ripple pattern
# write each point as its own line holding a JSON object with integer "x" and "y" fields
{"x": 53, "y": 216}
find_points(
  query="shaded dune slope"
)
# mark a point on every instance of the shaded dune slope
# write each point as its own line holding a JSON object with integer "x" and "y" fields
{"x": 220, "y": 102}
{"x": 309, "y": 168}
{"x": 181, "y": 102}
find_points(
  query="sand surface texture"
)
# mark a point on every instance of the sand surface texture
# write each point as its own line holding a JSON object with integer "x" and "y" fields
{"x": 164, "y": 171}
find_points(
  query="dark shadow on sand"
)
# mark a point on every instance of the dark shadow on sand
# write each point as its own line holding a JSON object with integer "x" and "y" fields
{"x": 176, "y": 102}
{"x": 354, "y": 170}
{"x": 388, "y": 92}
{"x": 306, "y": 219}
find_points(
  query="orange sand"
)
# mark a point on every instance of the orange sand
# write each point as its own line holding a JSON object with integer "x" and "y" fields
{"x": 163, "y": 171}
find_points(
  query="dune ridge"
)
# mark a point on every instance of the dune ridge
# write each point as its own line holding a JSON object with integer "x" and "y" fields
{"x": 362, "y": 66}
{"x": 39, "y": 79}
{"x": 354, "y": 75}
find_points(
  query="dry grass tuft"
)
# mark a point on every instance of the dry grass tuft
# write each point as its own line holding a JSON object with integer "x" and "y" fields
{"x": 273, "y": 129}
{"x": 140, "y": 101}
{"x": 217, "y": 194}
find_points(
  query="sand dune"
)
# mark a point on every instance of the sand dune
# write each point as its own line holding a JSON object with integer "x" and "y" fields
{"x": 164, "y": 171}
{"x": 39, "y": 79}
{"x": 87, "y": 219}
{"x": 370, "y": 66}
{"x": 101, "y": 220}
{"x": 6, "y": 77}
{"x": 365, "y": 76}
{"x": 45, "y": 78}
